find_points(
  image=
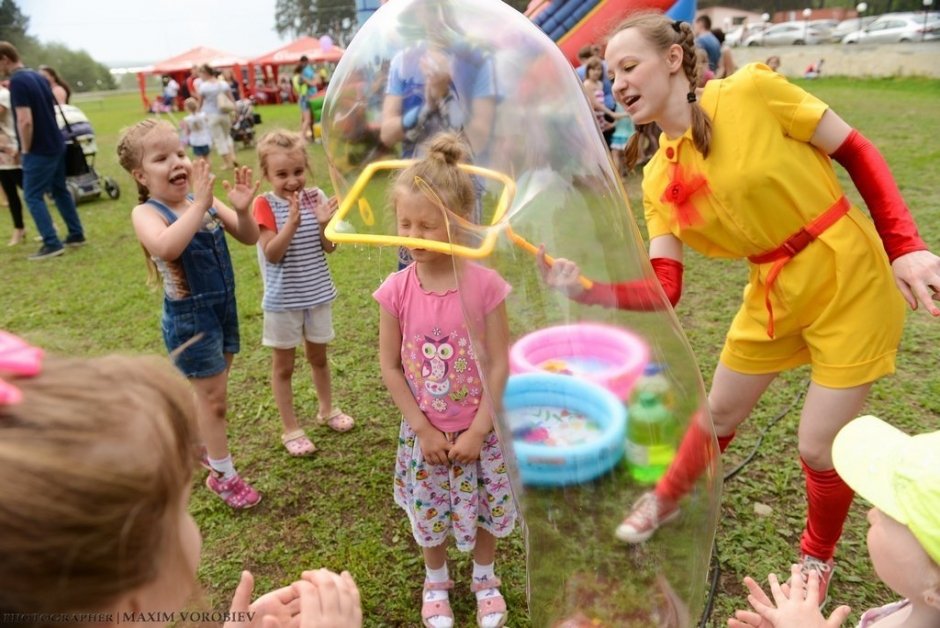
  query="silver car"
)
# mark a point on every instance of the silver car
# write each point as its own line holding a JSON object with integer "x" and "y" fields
{"x": 896, "y": 28}
{"x": 788, "y": 33}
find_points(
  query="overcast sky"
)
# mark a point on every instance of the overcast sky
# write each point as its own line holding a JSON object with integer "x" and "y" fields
{"x": 144, "y": 31}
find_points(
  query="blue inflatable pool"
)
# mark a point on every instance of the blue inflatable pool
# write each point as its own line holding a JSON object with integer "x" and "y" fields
{"x": 565, "y": 430}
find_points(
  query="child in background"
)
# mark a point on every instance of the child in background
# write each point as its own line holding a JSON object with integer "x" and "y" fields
{"x": 195, "y": 128}
{"x": 900, "y": 476}
{"x": 623, "y": 130}
{"x": 593, "y": 86}
{"x": 298, "y": 289}
{"x": 773, "y": 62}
{"x": 450, "y": 477}
{"x": 97, "y": 455}
{"x": 183, "y": 236}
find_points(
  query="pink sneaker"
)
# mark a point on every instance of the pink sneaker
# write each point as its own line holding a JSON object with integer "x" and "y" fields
{"x": 824, "y": 569}
{"x": 648, "y": 513}
{"x": 235, "y": 491}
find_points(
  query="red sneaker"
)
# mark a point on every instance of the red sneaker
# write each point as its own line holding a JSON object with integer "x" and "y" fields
{"x": 648, "y": 513}
{"x": 234, "y": 491}
{"x": 823, "y": 569}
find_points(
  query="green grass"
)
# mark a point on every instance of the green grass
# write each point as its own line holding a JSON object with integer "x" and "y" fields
{"x": 335, "y": 510}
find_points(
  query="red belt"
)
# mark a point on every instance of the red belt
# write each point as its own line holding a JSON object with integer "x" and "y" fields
{"x": 793, "y": 245}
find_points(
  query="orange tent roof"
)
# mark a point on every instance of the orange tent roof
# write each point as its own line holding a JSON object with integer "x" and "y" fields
{"x": 292, "y": 52}
{"x": 197, "y": 56}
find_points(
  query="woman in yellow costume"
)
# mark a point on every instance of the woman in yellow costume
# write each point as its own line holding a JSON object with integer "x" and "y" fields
{"x": 743, "y": 171}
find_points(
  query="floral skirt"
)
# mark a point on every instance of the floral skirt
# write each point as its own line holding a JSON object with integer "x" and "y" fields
{"x": 453, "y": 499}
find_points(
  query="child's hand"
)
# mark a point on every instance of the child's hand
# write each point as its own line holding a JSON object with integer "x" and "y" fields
{"x": 561, "y": 274}
{"x": 241, "y": 194}
{"x": 797, "y": 605}
{"x": 328, "y": 600}
{"x": 293, "y": 209}
{"x": 434, "y": 445}
{"x": 275, "y": 608}
{"x": 203, "y": 179}
{"x": 325, "y": 211}
{"x": 467, "y": 448}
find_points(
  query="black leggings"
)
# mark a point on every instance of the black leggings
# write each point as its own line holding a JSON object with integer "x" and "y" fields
{"x": 10, "y": 180}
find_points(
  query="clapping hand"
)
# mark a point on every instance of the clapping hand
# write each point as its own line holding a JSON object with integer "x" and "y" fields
{"x": 325, "y": 211}
{"x": 203, "y": 180}
{"x": 243, "y": 191}
{"x": 795, "y": 604}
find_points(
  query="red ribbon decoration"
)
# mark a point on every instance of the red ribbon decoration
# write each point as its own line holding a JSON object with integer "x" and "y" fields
{"x": 678, "y": 193}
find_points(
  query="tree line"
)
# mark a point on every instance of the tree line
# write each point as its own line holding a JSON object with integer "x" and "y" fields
{"x": 75, "y": 66}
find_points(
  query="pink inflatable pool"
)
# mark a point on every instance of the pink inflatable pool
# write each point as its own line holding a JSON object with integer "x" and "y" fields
{"x": 607, "y": 355}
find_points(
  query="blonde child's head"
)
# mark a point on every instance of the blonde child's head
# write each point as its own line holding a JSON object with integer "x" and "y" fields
{"x": 280, "y": 141}
{"x": 900, "y": 476}
{"x": 441, "y": 172}
{"x": 131, "y": 146}
{"x": 96, "y": 460}
{"x": 191, "y": 105}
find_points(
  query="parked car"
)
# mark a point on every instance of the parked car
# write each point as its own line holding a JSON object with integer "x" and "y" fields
{"x": 788, "y": 33}
{"x": 849, "y": 26}
{"x": 737, "y": 35}
{"x": 896, "y": 28}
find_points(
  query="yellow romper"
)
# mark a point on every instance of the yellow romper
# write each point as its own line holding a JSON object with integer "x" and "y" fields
{"x": 835, "y": 304}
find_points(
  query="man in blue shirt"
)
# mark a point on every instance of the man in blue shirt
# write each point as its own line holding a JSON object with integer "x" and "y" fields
{"x": 706, "y": 40}
{"x": 43, "y": 153}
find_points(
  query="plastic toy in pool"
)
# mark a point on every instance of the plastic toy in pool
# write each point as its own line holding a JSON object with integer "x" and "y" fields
{"x": 565, "y": 430}
{"x": 604, "y": 354}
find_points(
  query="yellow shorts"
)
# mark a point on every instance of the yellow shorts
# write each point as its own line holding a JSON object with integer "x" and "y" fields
{"x": 835, "y": 305}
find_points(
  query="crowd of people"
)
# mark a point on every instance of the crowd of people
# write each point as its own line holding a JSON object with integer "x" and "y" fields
{"x": 651, "y": 104}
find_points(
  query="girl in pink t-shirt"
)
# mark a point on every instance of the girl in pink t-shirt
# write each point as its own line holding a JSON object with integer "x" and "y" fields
{"x": 450, "y": 477}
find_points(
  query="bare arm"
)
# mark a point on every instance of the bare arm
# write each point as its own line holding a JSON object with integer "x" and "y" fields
{"x": 494, "y": 366}
{"x": 666, "y": 245}
{"x": 481, "y": 124}
{"x": 24, "y": 125}
{"x": 274, "y": 244}
{"x": 169, "y": 241}
{"x": 391, "y": 132}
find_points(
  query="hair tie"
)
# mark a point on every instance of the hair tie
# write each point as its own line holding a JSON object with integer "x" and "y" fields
{"x": 18, "y": 358}
{"x": 677, "y": 26}
{"x": 691, "y": 97}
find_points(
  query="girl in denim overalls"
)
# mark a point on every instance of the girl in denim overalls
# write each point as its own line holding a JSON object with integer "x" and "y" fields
{"x": 183, "y": 238}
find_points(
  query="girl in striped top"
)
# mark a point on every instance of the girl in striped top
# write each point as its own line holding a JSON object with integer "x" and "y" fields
{"x": 298, "y": 289}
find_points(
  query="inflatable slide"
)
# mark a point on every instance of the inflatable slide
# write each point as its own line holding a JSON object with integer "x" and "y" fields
{"x": 573, "y": 24}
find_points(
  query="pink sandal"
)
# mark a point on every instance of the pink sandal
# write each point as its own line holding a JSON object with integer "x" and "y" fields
{"x": 338, "y": 420}
{"x": 297, "y": 444}
{"x": 438, "y": 608}
{"x": 235, "y": 491}
{"x": 495, "y": 605}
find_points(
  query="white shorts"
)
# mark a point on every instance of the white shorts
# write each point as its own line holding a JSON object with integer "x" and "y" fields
{"x": 288, "y": 330}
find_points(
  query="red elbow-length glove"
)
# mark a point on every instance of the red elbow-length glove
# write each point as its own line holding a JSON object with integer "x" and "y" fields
{"x": 871, "y": 176}
{"x": 640, "y": 294}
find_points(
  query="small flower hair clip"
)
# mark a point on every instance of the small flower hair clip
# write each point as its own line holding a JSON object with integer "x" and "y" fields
{"x": 19, "y": 358}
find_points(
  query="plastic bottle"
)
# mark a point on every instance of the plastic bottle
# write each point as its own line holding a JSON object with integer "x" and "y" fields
{"x": 654, "y": 380}
{"x": 651, "y": 426}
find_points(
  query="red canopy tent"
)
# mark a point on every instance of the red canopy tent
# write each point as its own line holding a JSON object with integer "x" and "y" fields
{"x": 290, "y": 54}
{"x": 179, "y": 67}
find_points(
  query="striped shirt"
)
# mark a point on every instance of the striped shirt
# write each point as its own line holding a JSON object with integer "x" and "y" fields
{"x": 302, "y": 278}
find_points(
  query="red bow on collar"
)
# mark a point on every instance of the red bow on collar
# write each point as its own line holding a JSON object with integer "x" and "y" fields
{"x": 678, "y": 193}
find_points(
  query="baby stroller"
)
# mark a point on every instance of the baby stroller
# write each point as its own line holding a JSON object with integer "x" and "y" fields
{"x": 243, "y": 124}
{"x": 80, "y": 149}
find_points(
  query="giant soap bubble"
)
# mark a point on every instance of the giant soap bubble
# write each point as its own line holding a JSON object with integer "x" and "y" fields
{"x": 581, "y": 443}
